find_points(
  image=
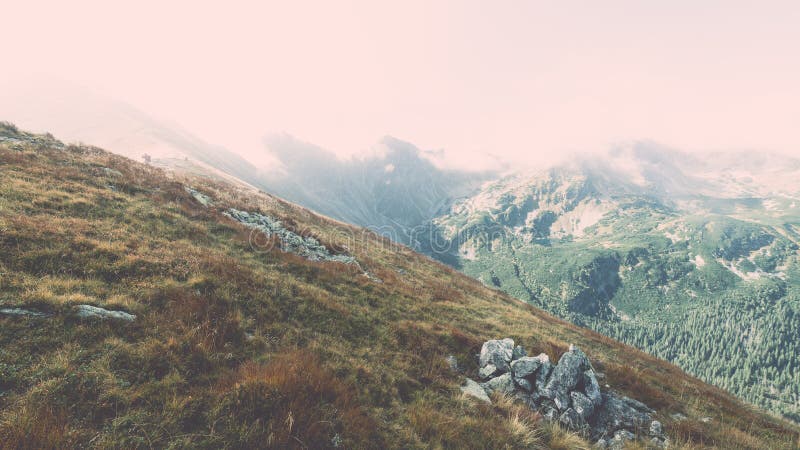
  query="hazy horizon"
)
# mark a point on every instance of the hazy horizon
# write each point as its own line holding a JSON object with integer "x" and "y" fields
{"x": 523, "y": 82}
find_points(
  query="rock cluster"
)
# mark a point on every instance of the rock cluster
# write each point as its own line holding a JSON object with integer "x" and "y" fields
{"x": 567, "y": 392}
{"x": 201, "y": 198}
{"x": 305, "y": 246}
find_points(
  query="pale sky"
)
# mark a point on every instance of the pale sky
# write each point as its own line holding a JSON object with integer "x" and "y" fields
{"x": 520, "y": 79}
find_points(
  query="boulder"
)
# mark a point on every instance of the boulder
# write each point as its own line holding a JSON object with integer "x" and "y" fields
{"x": 487, "y": 371}
{"x": 525, "y": 399}
{"x": 572, "y": 420}
{"x": 89, "y": 311}
{"x": 581, "y": 404}
{"x": 620, "y": 438}
{"x": 201, "y": 198}
{"x": 498, "y": 353}
{"x": 503, "y": 384}
{"x": 656, "y": 429}
{"x": 592, "y": 388}
{"x": 544, "y": 372}
{"x": 524, "y": 384}
{"x": 566, "y": 375}
{"x": 525, "y": 366}
{"x": 637, "y": 405}
{"x": 518, "y": 352}
{"x": 474, "y": 390}
{"x": 615, "y": 413}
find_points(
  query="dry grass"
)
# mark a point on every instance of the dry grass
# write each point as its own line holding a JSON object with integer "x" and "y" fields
{"x": 35, "y": 429}
{"x": 234, "y": 347}
{"x": 293, "y": 402}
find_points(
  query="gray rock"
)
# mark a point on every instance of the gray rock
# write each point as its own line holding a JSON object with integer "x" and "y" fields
{"x": 572, "y": 420}
{"x": 201, "y": 198}
{"x": 474, "y": 390}
{"x": 614, "y": 414}
{"x": 544, "y": 371}
{"x": 637, "y": 405}
{"x": 487, "y": 371}
{"x": 503, "y": 384}
{"x": 678, "y": 416}
{"x": 549, "y": 412}
{"x": 566, "y": 375}
{"x": 21, "y": 312}
{"x": 525, "y": 366}
{"x": 524, "y": 384}
{"x": 518, "y": 352}
{"x": 87, "y": 311}
{"x": 569, "y": 393}
{"x": 592, "y": 388}
{"x": 659, "y": 443}
{"x": 620, "y": 438}
{"x": 525, "y": 398}
{"x": 291, "y": 242}
{"x": 656, "y": 429}
{"x": 582, "y": 405}
{"x": 498, "y": 353}
{"x": 705, "y": 419}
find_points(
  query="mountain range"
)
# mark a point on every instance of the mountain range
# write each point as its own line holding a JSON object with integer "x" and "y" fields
{"x": 691, "y": 257}
{"x": 144, "y": 308}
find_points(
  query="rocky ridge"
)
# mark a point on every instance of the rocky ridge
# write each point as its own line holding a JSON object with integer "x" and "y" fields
{"x": 567, "y": 392}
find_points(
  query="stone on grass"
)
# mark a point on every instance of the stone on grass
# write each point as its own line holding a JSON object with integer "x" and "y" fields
{"x": 503, "y": 384}
{"x": 474, "y": 390}
{"x": 655, "y": 428}
{"x": 87, "y": 311}
{"x": 498, "y": 353}
{"x": 21, "y": 312}
{"x": 582, "y": 405}
{"x": 487, "y": 371}
{"x": 525, "y": 366}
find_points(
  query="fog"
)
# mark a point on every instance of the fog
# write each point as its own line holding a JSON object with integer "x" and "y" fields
{"x": 471, "y": 82}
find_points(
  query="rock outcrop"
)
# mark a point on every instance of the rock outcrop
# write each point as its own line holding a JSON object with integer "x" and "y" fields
{"x": 567, "y": 392}
{"x": 289, "y": 241}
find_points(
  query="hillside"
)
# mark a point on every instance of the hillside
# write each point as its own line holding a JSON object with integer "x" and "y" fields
{"x": 692, "y": 259}
{"x": 210, "y": 335}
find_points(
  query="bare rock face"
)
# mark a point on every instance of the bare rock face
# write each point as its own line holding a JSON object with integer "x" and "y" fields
{"x": 567, "y": 392}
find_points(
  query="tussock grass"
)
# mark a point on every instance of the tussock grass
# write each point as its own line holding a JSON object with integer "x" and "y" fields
{"x": 241, "y": 348}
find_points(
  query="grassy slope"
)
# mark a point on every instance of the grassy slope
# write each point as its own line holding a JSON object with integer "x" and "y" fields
{"x": 240, "y": 348}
